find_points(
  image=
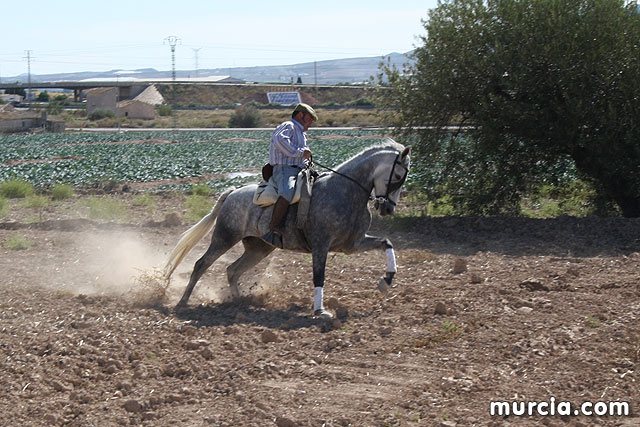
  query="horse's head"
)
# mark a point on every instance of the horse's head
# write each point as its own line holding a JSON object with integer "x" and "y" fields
{"x": 388, "y": 179}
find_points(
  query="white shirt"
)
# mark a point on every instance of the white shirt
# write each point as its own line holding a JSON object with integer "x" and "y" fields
{"x": 288, "y": 143}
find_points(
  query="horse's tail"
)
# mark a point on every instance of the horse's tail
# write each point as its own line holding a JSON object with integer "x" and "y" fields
{"x": 192, "y": 236}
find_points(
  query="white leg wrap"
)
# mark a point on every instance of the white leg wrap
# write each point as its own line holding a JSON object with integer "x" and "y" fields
{"x": 318, "y": 295}
{"x": 391, "y": 261}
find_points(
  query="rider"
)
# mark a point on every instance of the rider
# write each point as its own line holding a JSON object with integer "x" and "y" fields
{"x": 288, "y": 153}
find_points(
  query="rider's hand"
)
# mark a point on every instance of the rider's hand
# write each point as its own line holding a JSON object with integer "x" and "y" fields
{"x": 307, "y": 154}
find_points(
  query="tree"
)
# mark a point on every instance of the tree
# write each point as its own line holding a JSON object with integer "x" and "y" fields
{"x": 16, "y": 91}
{"x": 43, "y": 97}
{"x": 536, "y": 90}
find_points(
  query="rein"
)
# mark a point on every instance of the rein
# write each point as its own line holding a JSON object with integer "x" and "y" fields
{"x": 390, "y": 188}
{"x": 344, "y": 176}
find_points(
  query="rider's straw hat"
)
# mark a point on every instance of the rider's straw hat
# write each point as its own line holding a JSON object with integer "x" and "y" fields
{"x": 306, "y": 109}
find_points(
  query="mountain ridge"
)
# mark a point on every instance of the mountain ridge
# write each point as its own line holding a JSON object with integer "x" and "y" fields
{"x": 332, "y": 71}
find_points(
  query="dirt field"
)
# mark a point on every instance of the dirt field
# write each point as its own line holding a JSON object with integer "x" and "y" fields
{"x": 484, "y": 310}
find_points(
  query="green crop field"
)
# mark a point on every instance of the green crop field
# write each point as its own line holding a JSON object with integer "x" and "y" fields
{"x": 86, "y": 159}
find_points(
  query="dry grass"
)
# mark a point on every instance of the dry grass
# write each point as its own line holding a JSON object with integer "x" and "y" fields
{"x": 193, "y": 94}
{"x": 220, "y": 119}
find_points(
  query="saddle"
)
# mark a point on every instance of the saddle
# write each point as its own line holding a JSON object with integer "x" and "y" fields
{"x": 267, "y": 192}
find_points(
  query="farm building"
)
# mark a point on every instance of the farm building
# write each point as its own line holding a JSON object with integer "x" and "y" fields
{"x": 11, "y": 98}
{"x": 134, "y": 109}
{"x": 12, "y": 120}
{"x": 56, "y": 126}
{"x": 104, "y": 98}
{"x": 150, "y": 95}
{"x": 109, "y": 99}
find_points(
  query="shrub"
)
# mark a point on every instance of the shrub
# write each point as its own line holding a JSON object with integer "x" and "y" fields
{"x": 442, "y": 206}
{"x": 576, "y": 198}
{"x": 146, "y": 201}
{"x": 108, "y": 185}
{"x": 61, "y": 191}
{"x": 245, "y": 117}
{"x": 164, "y": 110}
{"x": 201, "y": 190}
{"x": 450, "y": 327}
{"x": 106, "y": 208}
{"x": 101, "y": 114}
{"x": 38, "y": 203}
{"x": 17, "y": 243}
{"x": 54, "y": 108}
{"x": 15, "y": 189}
{"x": 592, "y": 322}
{"x": 197, "y": 207}
{"x": 361, "y": 102}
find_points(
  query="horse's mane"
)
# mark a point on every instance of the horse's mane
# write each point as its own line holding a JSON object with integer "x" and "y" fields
{"x": 387, "y": 144}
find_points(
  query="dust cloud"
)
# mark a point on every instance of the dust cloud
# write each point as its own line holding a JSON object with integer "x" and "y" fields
{"x": 213, "y": 287}
{"x": 129, "y": 265}
{"x": 107, "y": 263}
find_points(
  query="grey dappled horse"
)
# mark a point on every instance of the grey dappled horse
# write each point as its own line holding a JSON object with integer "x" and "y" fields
{"x": 338, "y": 219}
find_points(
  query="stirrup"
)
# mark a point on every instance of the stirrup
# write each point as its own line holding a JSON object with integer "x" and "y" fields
{"x": 274, "y": 238}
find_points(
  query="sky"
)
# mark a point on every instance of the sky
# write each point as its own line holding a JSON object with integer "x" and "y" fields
{"x": 72, "y": 35}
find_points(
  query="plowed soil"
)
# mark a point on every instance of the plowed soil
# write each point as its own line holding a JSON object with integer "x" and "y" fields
{"x": 484, "y": 309}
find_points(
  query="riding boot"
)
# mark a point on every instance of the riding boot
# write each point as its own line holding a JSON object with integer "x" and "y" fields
{"x": 278, "y": 217}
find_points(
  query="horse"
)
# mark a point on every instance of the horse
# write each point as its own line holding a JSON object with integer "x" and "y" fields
{"x": 338, "y": 220}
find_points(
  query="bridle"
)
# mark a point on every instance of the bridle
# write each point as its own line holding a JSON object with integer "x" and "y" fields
{"x": 391, "y": 187}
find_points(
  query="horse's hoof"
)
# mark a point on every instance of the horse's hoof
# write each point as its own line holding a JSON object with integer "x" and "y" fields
{"x": 180, "y": 305}
{"x": 323, "y": 314}
{"x": 383, "y": 286}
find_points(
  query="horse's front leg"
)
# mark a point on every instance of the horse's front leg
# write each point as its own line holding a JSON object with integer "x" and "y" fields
{"x": 371, "y": 243}
{"x": 319, "y": 254}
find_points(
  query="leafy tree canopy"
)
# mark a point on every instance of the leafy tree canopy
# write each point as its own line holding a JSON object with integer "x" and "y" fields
{"x": 16, "y": 91}
{"x": 43, "y": 97}
{"x": 536, "y": 91}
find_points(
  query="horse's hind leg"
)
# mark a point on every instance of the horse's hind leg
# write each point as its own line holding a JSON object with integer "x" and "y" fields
{"x": 217, "y": 248}
{"x": 255, "y": 250}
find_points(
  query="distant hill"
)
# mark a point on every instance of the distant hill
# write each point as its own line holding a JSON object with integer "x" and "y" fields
{"x": 350, "y": 70}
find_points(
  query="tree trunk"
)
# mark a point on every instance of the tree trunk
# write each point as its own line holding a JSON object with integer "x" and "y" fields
{"x": 621, "y": 187}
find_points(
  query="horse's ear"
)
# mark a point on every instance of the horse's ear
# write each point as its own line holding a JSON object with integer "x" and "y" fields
{"x": 406, "y": 152}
